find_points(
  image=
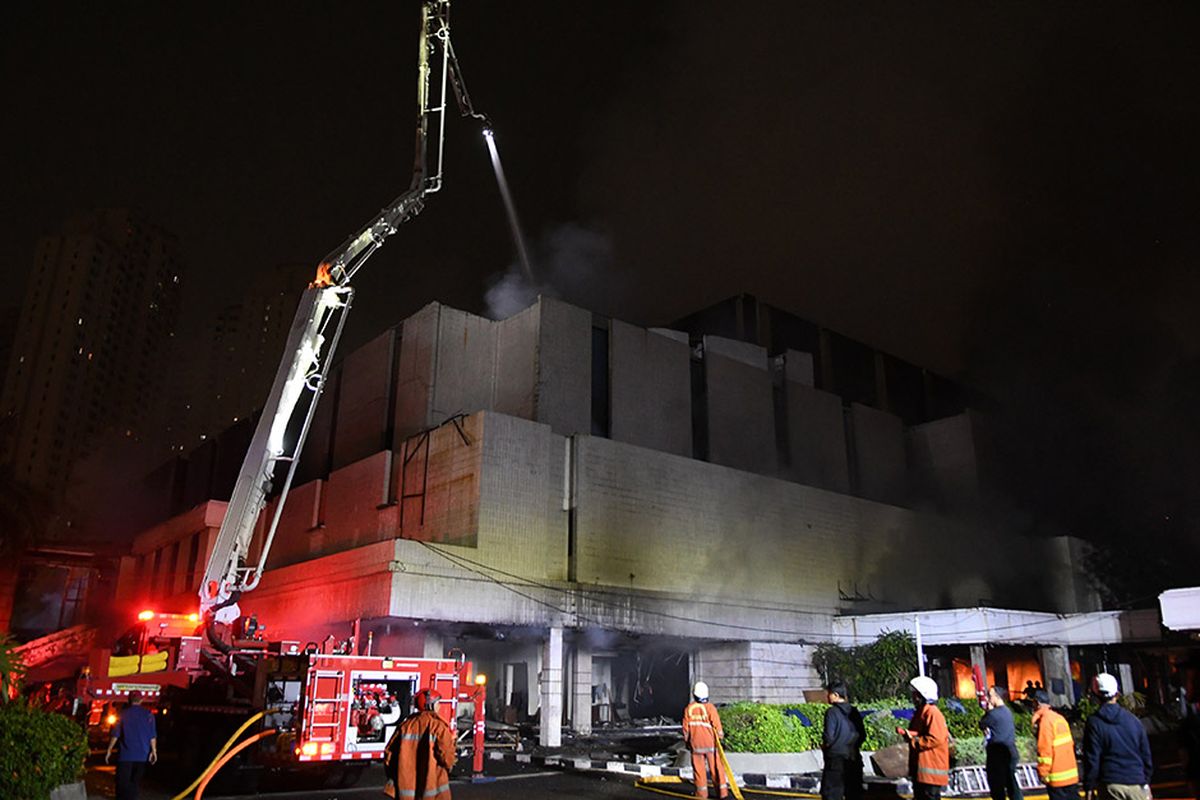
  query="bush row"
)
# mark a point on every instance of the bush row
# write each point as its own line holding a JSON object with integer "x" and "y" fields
{"x": 765, "y": 728}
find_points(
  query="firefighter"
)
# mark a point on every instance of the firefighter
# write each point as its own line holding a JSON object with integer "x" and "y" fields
{"x": 421, "y": 754}
{"x": 701, "y": 730}
{"x": 928, "y": 742}
{"x": 1056, "y": 750}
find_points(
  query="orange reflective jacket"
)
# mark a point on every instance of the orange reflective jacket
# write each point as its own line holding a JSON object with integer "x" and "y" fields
{"x": 701, "y": 727}
{"x": 929, "y": 746}
{"x": 420, "y": 757}
{"x": 1055, "y": 748}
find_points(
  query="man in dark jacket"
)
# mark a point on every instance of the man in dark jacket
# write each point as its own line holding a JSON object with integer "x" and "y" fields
{"x": 1116, "y": 750}
{"x": 1000, "y": 735}
{"x": 844, "y": 735}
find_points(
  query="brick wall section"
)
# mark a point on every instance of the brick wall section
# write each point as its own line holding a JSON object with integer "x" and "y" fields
{"x": 678, "y": 525}
{"x": 440, "y": 499}
{"x": 650, "y": 389}
{"x": 880, "y": 456}
{"x": 522, "y": 524}
{"x": 465, "y": 364}
{"x": 415, "y": 370}
{"x": 766, "y": 672}
{"x": 816, "y": 438}
{"x": 741, "y": 413}
{"x": 362, "y": 402}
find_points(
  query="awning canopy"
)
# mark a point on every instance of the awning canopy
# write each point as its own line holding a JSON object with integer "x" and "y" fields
{"x": 1004, "y": 626}
{"x": 1181, "y": 609}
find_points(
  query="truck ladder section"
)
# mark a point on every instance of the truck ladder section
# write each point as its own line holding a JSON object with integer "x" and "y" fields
{"x": 314, "y": 335}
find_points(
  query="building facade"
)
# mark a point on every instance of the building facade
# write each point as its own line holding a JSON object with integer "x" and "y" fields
{"x": 92, "y": 345}
{"x": 598, "y": 513}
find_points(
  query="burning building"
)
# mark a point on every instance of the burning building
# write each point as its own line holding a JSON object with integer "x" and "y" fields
{"x": 597, "y": 513}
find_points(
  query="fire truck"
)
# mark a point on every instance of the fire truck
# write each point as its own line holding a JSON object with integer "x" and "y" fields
{"x": 209, "y": 671}
{"x": 328, "y": 705}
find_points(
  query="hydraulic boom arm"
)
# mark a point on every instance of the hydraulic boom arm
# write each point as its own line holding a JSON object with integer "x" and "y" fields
{"x": 314, "y": 335}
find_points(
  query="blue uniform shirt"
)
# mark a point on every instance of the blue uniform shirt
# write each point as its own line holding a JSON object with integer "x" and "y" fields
{"x": 133, "y": 733}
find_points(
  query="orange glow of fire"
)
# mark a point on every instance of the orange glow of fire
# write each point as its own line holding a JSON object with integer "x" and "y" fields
{"x": 324, "y": 276}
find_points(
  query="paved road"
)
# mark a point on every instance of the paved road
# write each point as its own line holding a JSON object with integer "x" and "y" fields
{"x": 511, "y": 784}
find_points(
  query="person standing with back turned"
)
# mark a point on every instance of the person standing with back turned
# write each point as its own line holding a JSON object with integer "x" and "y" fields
{"x": 1000, "y": 735}
{"x": 137, "y": 737}
{"x": 1116, "y": 750}
{"x": 1056, "y": 750}
{"x": 701, "y": 730}
{"x": 840, "y": 744}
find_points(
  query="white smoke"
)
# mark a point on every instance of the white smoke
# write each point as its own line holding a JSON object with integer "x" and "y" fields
{"x": 569, "y": 261}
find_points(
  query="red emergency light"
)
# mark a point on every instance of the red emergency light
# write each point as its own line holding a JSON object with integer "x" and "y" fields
{"x": 146, "y": 616}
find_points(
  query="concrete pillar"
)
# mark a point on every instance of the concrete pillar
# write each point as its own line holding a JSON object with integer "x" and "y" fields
{"x": 552, "y": 689}
{"x": 1056, "y": 675}
{"x": 434, "y": 646}
{"x": 581, "y": 685}
{"x": 977, "y": 660}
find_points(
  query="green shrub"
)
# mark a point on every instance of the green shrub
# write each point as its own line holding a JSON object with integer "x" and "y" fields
{"x": 38, "y": 751}
{"x": 873, "y": 671}
{"x": 763, "y": 728}
{"x": 970, "y": 751}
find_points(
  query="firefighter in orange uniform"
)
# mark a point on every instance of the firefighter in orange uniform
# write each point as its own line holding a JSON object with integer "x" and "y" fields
{"x": 701, "y": 730}
{"x": 421, "y": 753}
{"x": 928, "y": 741}
{"x": 1056, "y": 750}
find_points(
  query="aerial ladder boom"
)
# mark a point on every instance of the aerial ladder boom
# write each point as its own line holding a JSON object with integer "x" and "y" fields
{"x": 316, "y": 329}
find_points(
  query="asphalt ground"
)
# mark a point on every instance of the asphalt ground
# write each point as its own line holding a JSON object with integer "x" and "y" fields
{"x": 511, "y": 782}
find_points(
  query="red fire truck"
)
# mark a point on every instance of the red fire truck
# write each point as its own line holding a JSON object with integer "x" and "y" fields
{"x": 326, "y": 703}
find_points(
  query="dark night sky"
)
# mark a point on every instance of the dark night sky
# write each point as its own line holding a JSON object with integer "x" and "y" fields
{"x": 1002, "y": 191}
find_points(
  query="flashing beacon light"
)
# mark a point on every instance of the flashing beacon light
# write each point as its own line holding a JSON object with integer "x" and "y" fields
{"x": 194, "y": 617}
{"x": 111, "y": 719}
{"x": 481, "y": 679}
{"x": 146, "y": 616}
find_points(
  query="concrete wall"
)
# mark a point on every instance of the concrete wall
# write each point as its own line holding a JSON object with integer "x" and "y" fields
{"x": 816, "y": 438}
{"x": 648, "y": 520}
{"x": 564, "y": 363}
{"x": 880, "y": 459}
{"x": 465, "y": 364}
{"x": 760, "y": 671}
{"x": 362, "y": 400}
{"x": 944, "y": 460}
{"x": 740, "y": 408}
{"x": 515, "y": 389}
{"x": 650, "y": 387}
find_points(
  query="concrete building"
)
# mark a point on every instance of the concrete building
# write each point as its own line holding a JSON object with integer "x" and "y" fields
{"x": 598, "y": 513}
{"x": 92, "y": 344}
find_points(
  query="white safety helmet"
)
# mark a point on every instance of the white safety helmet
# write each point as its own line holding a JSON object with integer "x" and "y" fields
{"x": 926, "y": 687}
{"x": 1105, "y": 685}
{"x": 700, "y": 691}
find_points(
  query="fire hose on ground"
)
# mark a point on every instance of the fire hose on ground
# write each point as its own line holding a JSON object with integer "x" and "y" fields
{"x": 220, "y": 753}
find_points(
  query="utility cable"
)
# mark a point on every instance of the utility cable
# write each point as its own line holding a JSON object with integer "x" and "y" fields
{"x": 802, "y": 634}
